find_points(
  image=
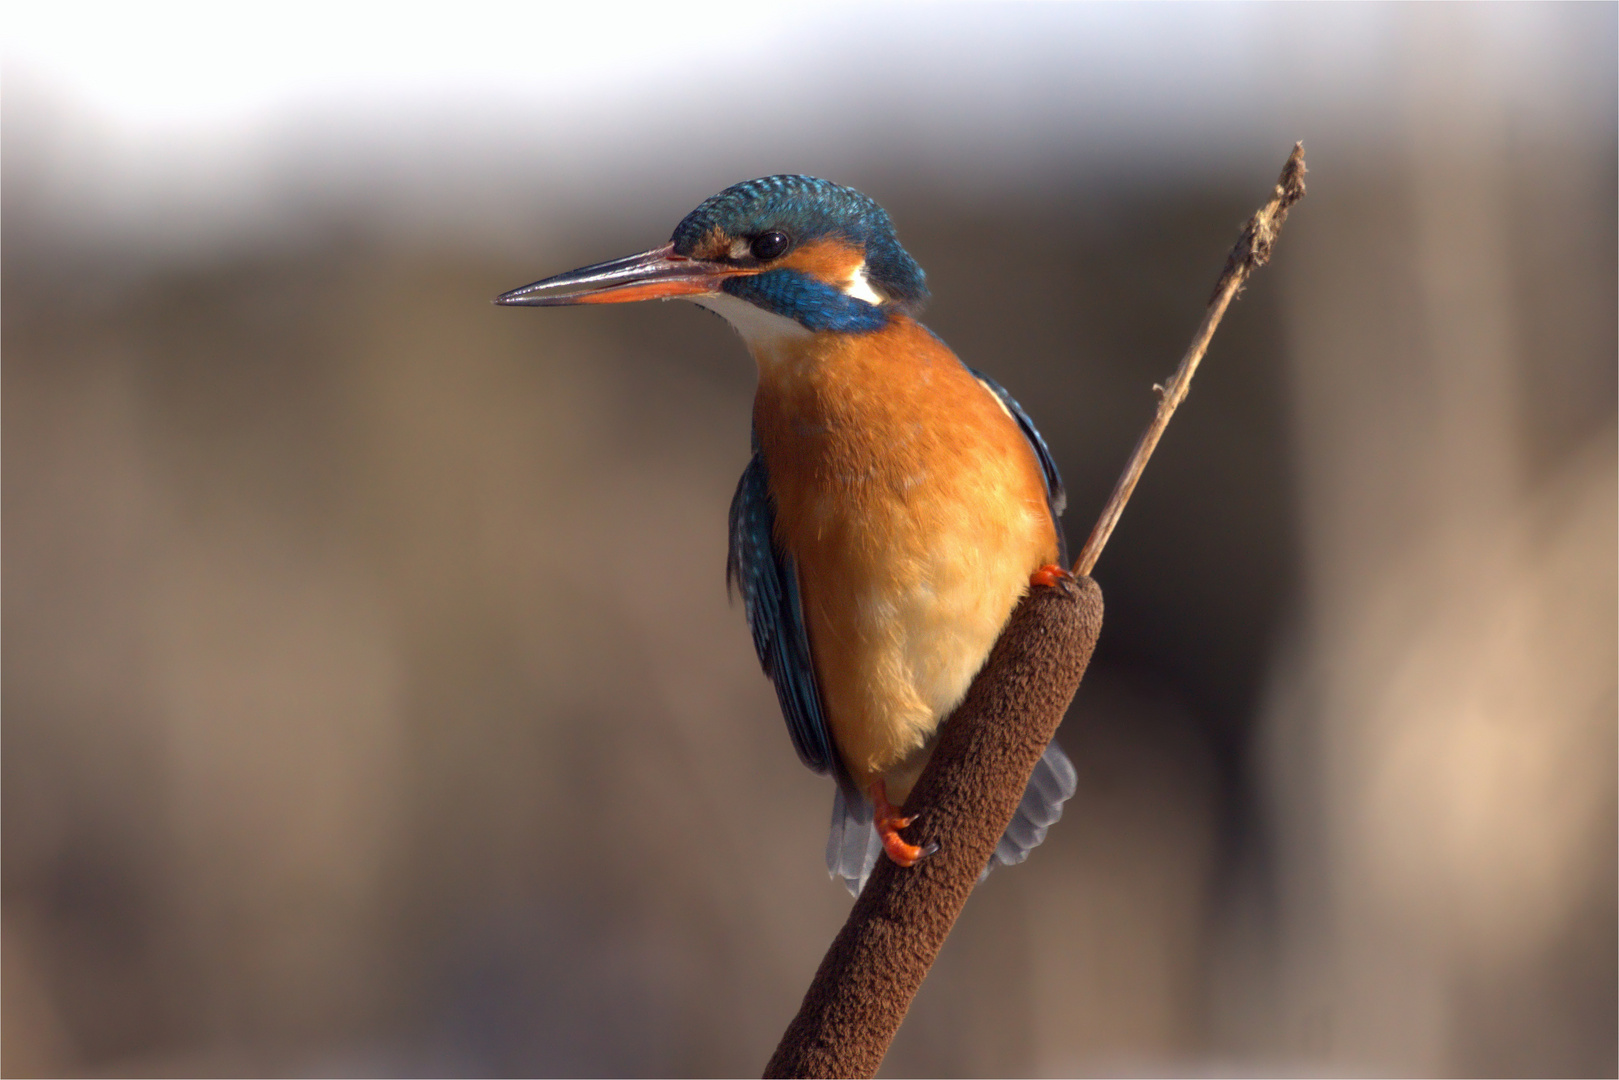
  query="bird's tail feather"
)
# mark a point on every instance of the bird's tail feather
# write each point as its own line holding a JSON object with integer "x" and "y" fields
{"x": 853, "y": 847}
{"x": 1052, "y": 784}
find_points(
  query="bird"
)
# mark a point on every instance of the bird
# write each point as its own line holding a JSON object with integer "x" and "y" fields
{"x": 897, "y": 505}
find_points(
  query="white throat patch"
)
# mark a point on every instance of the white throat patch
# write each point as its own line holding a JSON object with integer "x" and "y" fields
{"x": 764, "y": 331}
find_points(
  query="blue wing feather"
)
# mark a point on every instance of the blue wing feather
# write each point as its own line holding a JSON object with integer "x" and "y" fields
{"x": 768, "y": 581}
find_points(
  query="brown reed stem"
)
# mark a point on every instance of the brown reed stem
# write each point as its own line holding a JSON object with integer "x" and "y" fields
{"x": 1252, "y": 251}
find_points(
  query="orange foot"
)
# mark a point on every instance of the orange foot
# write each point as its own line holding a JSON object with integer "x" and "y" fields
{"x": 889, "y": 823}
{"x": 1049, "y": 575}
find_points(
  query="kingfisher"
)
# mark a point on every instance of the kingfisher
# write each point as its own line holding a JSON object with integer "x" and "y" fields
{"x": 897, "y": 506}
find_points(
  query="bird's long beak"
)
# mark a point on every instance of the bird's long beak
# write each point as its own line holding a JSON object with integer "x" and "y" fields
{"x": 652, "y": 275}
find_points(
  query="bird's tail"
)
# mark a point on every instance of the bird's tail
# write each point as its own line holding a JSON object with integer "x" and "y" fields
{"x": 1052, "y": 784}
{"x": 853, "y": 847}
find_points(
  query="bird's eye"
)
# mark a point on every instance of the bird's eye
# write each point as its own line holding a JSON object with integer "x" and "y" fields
{"x": 770, "y": 245}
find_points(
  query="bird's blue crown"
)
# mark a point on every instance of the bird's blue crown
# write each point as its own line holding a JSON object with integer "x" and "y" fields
{"x": 805, "y": 208}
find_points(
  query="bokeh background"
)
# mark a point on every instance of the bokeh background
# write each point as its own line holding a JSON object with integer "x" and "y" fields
{"x": 372, "y": 701}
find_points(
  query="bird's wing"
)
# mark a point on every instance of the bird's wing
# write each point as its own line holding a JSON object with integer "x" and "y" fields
{"x": 1056, "y": 497}
{"x": 768, "y": 581}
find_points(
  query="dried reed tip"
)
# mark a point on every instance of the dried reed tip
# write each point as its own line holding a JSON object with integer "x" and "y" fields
{"x": 1258, "y": 237}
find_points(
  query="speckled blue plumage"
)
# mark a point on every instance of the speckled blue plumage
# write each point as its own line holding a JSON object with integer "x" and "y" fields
{"x": 808, "y": 208}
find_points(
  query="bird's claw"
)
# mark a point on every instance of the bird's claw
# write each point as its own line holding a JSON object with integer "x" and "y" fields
{"x": 889, "y": 822}
{"x": 1050, "y": 575}
{"x": 903, "y": 853}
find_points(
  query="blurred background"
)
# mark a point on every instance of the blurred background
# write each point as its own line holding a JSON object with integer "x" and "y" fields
{"x": 372, "y": 701}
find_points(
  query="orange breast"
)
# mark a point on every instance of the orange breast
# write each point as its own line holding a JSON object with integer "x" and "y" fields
{"x": 915, "y": 511}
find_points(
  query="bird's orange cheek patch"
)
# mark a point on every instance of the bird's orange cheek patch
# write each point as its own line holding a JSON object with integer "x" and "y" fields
{"x": 829, "y": 260}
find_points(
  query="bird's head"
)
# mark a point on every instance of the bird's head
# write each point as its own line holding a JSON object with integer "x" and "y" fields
{"x": 774, "y": 255}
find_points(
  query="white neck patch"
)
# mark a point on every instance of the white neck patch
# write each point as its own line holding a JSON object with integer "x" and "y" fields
{"x": 860, "y": 288}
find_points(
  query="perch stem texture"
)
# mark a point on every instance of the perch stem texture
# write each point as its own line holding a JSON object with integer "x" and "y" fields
{"x": 964, "y": 800}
